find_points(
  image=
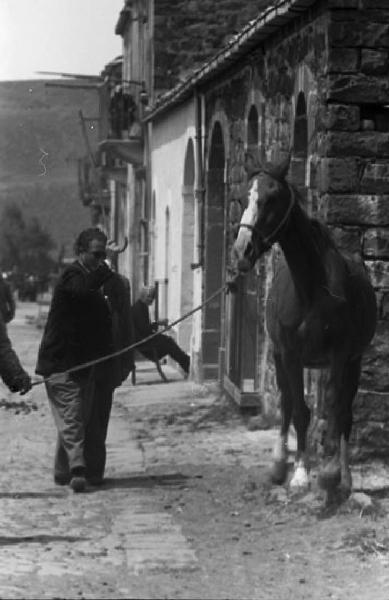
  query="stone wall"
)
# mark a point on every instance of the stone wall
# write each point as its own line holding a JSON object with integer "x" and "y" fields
{"x": 354, "y": 180}
{"x": 189, "y": 32}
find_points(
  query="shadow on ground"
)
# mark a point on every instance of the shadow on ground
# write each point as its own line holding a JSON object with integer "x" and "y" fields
{"x": 26, "y": 495}
{"x": 39, "y": 539}
{"x": 145, "y": 481}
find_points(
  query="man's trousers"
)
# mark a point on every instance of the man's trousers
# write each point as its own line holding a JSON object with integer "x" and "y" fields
{"x": 81, "y": 411}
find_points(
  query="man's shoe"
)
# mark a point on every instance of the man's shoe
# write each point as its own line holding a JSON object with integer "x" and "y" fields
{"x": 78, "y": 483}
{"x": 186, "y": 367}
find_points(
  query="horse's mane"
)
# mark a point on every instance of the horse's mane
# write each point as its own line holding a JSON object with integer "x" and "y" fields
{"x": 322, "y": 235}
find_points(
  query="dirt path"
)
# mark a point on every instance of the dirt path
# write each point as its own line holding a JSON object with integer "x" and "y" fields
{"x": 253, "y": 540}
{"x": 187, "y": 511}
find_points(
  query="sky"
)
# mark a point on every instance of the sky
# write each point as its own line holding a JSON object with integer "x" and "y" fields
{"x": 72, "y": 36}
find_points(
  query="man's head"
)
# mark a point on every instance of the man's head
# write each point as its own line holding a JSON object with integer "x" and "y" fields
{"x": 147, "y": 294}
{"x": 90, "y": 247}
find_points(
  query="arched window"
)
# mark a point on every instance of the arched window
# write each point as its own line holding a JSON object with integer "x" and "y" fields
{"x": 252, "y": 129}
{"x": 298, "y": 167}
{"x": 300, "y": 146}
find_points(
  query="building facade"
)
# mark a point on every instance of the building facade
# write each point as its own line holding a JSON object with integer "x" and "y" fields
{"x": 296, "y": 79}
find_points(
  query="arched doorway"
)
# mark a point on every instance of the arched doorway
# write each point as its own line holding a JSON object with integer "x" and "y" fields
{"x": 242, "y": 310}
{"x": 214, "y": 253}
{"x": 188, "y": 241}
{"x": 298, "y": 167}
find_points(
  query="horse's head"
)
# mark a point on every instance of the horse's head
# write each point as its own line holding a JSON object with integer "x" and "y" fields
{"x": 270, "y": 201}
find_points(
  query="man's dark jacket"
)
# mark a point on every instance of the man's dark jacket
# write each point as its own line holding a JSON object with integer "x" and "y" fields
{"x": 79, "y": 323}
{"x": 118, "y": 293}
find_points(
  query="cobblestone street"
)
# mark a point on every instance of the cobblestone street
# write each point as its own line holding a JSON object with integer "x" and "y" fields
{"x": 186, "y": 511}
{"x": 57, "y": 544}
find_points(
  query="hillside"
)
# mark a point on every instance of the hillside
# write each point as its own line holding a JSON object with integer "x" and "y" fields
{"x": 38, "y": 125}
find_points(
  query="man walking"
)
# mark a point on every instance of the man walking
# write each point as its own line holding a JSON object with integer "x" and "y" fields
{"x": 11, "y": 371}
{"x": 7, "y": 302}
{"x": 79, "y": 330}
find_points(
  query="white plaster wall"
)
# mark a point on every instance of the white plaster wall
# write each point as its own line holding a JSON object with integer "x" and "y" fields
{"x": 169, "y": 143}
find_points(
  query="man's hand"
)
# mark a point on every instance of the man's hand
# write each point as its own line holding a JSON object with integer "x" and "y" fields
{"x": 114, "y": 248}
{"x": 21, "y": 384}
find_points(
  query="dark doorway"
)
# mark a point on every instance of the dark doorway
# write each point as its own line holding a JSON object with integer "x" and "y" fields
{"x": 298, "y": 165}
{"x": 241, "y": 377}
{"x": 188, "y": 242}
{"x": 214, "y": 253}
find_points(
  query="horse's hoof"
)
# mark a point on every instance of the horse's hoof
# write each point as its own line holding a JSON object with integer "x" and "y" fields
{"x": 329, "y": 478}
{"x": 346, "y": 484}
{"x": 300, "y": 480}
{"x": 279, "y": 472}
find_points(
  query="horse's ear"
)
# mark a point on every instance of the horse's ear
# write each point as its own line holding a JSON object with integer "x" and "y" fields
{"x": 281, "y": 170}
{"x": 252, "y": 164}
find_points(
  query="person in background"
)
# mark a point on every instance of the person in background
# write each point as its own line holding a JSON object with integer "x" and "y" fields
{"x": 7, "y": 302}
{"x": 79, "y": 329}
{"x": 161, "y": 345}
{"x": 11, "y": 371}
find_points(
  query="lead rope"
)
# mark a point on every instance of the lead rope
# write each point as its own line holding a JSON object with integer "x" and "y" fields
{"x": 146, "y": 339}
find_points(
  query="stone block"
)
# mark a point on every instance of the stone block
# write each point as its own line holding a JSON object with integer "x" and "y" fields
{"x": 366, "y": 144}
{"x": 355, "y": 209}
{"x": 374, "y": 62}
{"x": 372, "y": 16}
{"x": 369, "y": 440}
{"x": 348, "y": 240}
{"x": 379, "y": 274}
{"x": 369, "y": 4}
{"x": 369, "y": 406}
{"x": 358, "y": 34}
{"x": 343, "y": 3}
{"x": 338, "y": 175}
{"x": 376, "y": 243}
{"x": 375, "y": 372}
{"x": 375, "y": 178}
{"x": 358, "y": 89}
{"x": 384, "y": 306}
{"x": 343, "y": 60}
{"x": 343, "y": 117}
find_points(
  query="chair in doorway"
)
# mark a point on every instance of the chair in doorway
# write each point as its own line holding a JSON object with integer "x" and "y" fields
{"x": 154, "y": 358}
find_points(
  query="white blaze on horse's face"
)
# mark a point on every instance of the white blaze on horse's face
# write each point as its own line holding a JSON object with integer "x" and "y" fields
{"x": 249, "y": 217}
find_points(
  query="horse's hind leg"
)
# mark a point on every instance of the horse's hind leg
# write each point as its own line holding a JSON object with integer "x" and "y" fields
{"x": 345, "y": 419}
{"x": 280, "y": 465}
{"x": 342, "y": 387}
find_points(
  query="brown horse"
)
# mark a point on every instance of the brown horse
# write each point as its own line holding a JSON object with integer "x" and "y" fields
{"x": 320, "y": 313}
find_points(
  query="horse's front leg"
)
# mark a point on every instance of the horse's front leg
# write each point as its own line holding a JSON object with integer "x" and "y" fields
{"x": 301, "y": 418}
{"x": 290, "y": 382}
{"x": 279, "y": 469}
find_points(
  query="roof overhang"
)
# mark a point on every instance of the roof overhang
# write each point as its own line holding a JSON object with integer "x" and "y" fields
{"x": 130, "y": 151}
{"x": 125, "y": 16}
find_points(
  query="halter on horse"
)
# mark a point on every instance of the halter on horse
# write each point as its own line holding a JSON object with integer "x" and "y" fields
{"x": 320, "y": 313}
